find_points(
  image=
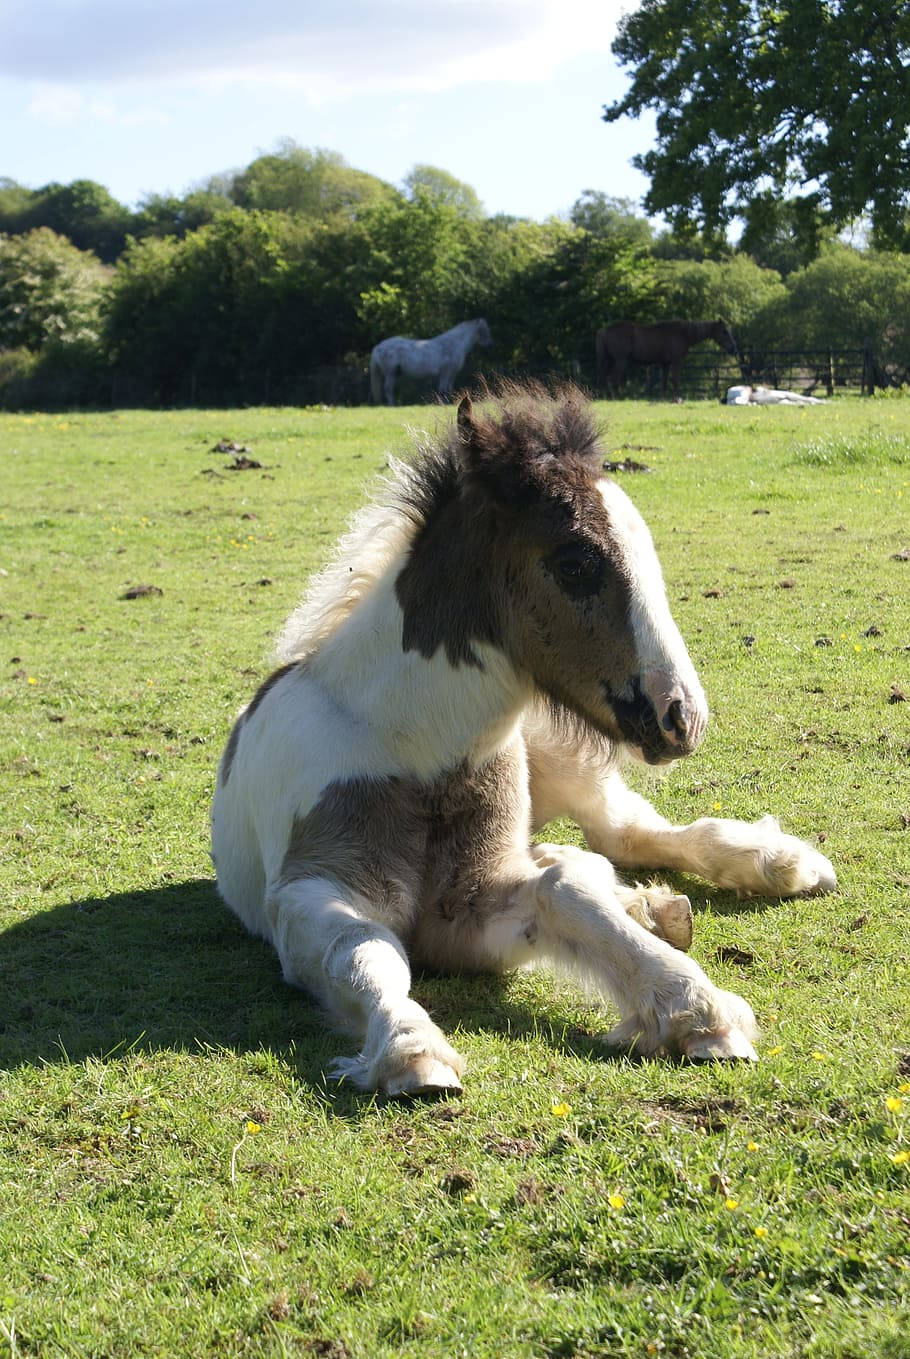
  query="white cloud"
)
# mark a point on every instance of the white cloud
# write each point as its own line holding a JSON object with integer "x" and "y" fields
{"x": 64, "y": 106}
{"x": 57, "y": 105}
{"x": 325, "y": 49}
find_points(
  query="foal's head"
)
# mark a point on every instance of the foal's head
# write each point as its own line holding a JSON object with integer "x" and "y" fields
{"x": 581, "y": 599}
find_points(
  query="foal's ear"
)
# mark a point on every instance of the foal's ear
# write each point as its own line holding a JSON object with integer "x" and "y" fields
{"x": 466, "y": 427}
{"x": 489, "y": 459}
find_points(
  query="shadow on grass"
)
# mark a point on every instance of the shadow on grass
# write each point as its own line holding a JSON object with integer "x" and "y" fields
{"x": 167, "y": 967}
{"x": 171, "y": 968}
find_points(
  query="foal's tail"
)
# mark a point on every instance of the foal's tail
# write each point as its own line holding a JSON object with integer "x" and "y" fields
{"x": 376, "y": 378}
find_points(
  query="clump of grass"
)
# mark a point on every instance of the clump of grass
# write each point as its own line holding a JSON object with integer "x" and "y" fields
{"x": 842, "y": 451}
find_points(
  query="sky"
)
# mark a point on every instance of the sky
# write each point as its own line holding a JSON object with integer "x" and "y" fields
{"x": 155, "y": 96}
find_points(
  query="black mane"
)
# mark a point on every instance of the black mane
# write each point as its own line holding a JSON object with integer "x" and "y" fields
{"x": 525, "y": 440}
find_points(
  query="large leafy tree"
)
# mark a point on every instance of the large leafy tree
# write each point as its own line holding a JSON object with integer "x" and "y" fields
{"x": 50, "y": 292}
{"x": 444, "y": 188}
{"x": 605, "y": 217}
{"x": 318, "y": 184}
{"x": 802, "y": 98}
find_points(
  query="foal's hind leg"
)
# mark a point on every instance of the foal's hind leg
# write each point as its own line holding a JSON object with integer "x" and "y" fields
{"x": 358, "y": 969}
{"x": 567, "y": 779}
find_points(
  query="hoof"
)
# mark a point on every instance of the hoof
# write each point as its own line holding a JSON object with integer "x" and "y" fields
{"x": 660, "y": 911}
{"x": 423, "y": 1079}
{"x": 673, "y": 921}
{"x": 826, "y": 880}
{"x": 731, "y": 1045}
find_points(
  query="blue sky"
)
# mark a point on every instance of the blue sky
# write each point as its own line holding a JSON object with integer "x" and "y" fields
{"x": 153, "y": 96}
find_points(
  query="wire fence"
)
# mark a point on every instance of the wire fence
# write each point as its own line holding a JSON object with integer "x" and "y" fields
{"x": 706, "y": 375}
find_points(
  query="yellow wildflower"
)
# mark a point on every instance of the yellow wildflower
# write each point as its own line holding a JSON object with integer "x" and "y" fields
{"x": 751, "y": 1146}
{"x": 819, "y": 1056}
{"x": 894, "y": 1104}
{"x": 616, "y": 1201}
{"x": 561, "y": 1109}
{"x": 253, "y": 1128}
{"x": 731, "y": 1205}
{"x": 773, "y": 1052}
{"x": 900, "y": 1158}
{"x": 761, "y": 1232}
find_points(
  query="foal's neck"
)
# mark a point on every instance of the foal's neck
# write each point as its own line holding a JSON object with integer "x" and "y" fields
{"x": 433, "y": 698}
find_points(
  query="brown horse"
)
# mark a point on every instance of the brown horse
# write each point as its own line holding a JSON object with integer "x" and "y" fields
{"x": 666, "y": 343}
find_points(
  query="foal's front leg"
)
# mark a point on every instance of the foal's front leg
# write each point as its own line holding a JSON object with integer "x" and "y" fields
{"x": 569, "y": 911}
{"x": 357, "y": 968}
{"x": 580, "y": 780}
{"x": 752, "y": 858}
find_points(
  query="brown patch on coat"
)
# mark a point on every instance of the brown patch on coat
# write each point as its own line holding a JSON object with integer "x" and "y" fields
{"x": 532, "y": 459}
{"x": 514, "y": 547}
{"x": 230, "y": 750}
{"x": 427, "y": 856}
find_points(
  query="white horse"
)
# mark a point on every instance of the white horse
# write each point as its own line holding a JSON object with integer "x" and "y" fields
{"x": 439, "y": 358}
{"x": 490, "y": 643}
{"x": 769, "y": 396}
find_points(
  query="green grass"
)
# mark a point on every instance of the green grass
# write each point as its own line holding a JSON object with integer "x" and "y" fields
{"x": 872, "y": 447}
{"x": 177, "y": 1177}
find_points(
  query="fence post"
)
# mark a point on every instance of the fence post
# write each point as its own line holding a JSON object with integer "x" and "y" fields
{"x": 829, "y": 380}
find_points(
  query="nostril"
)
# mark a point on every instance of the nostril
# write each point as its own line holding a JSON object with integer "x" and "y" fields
{"x": 675, "y": 720}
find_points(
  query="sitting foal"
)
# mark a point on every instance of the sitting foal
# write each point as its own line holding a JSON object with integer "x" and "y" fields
{"x": 488, "y": 646}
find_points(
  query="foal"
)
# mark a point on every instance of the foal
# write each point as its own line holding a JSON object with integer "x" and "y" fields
{"x": 488, "y": 646}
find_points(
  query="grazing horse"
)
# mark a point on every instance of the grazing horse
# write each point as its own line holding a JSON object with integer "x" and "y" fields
{"x": 439, "y": 358}
{"x": 490, "y": 643}
{"x": 666, "y": 343}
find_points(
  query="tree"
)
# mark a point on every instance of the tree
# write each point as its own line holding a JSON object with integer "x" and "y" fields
{"x": 50, "y": 292}
{"x": 574, "y": 283}
{"x": 196, "y": 318}
{"x": 318, "y": 184}
{"x": 802, "y": 98}
{"x": 738, "y": 290}
{"x": 784, "y": 235}
{"x": 443, "y": 188}
{"x": 15, "y": 202}
{"x": 85, "y": 212}
{"x": 416, "y": 252}
{"x": 167, "y": 215}
{"x": 848, "y": 297}
{"x": 604, "y": 216}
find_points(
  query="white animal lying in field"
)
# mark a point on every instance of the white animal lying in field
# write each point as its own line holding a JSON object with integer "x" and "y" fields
{"x": 489, "y": 645}
{"x": 768, "y": 396}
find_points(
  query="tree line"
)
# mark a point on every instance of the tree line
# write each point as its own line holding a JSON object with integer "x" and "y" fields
{"x": 272, "y": 284}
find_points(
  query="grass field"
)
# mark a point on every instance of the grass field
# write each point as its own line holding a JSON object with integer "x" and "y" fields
{"x": 176, "y": 1175}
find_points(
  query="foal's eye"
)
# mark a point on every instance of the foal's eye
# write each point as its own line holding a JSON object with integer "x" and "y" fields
{"x": 577, "y": 569}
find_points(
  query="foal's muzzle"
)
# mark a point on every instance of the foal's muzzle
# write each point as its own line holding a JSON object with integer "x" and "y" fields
{"x": 665, "y": 718}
